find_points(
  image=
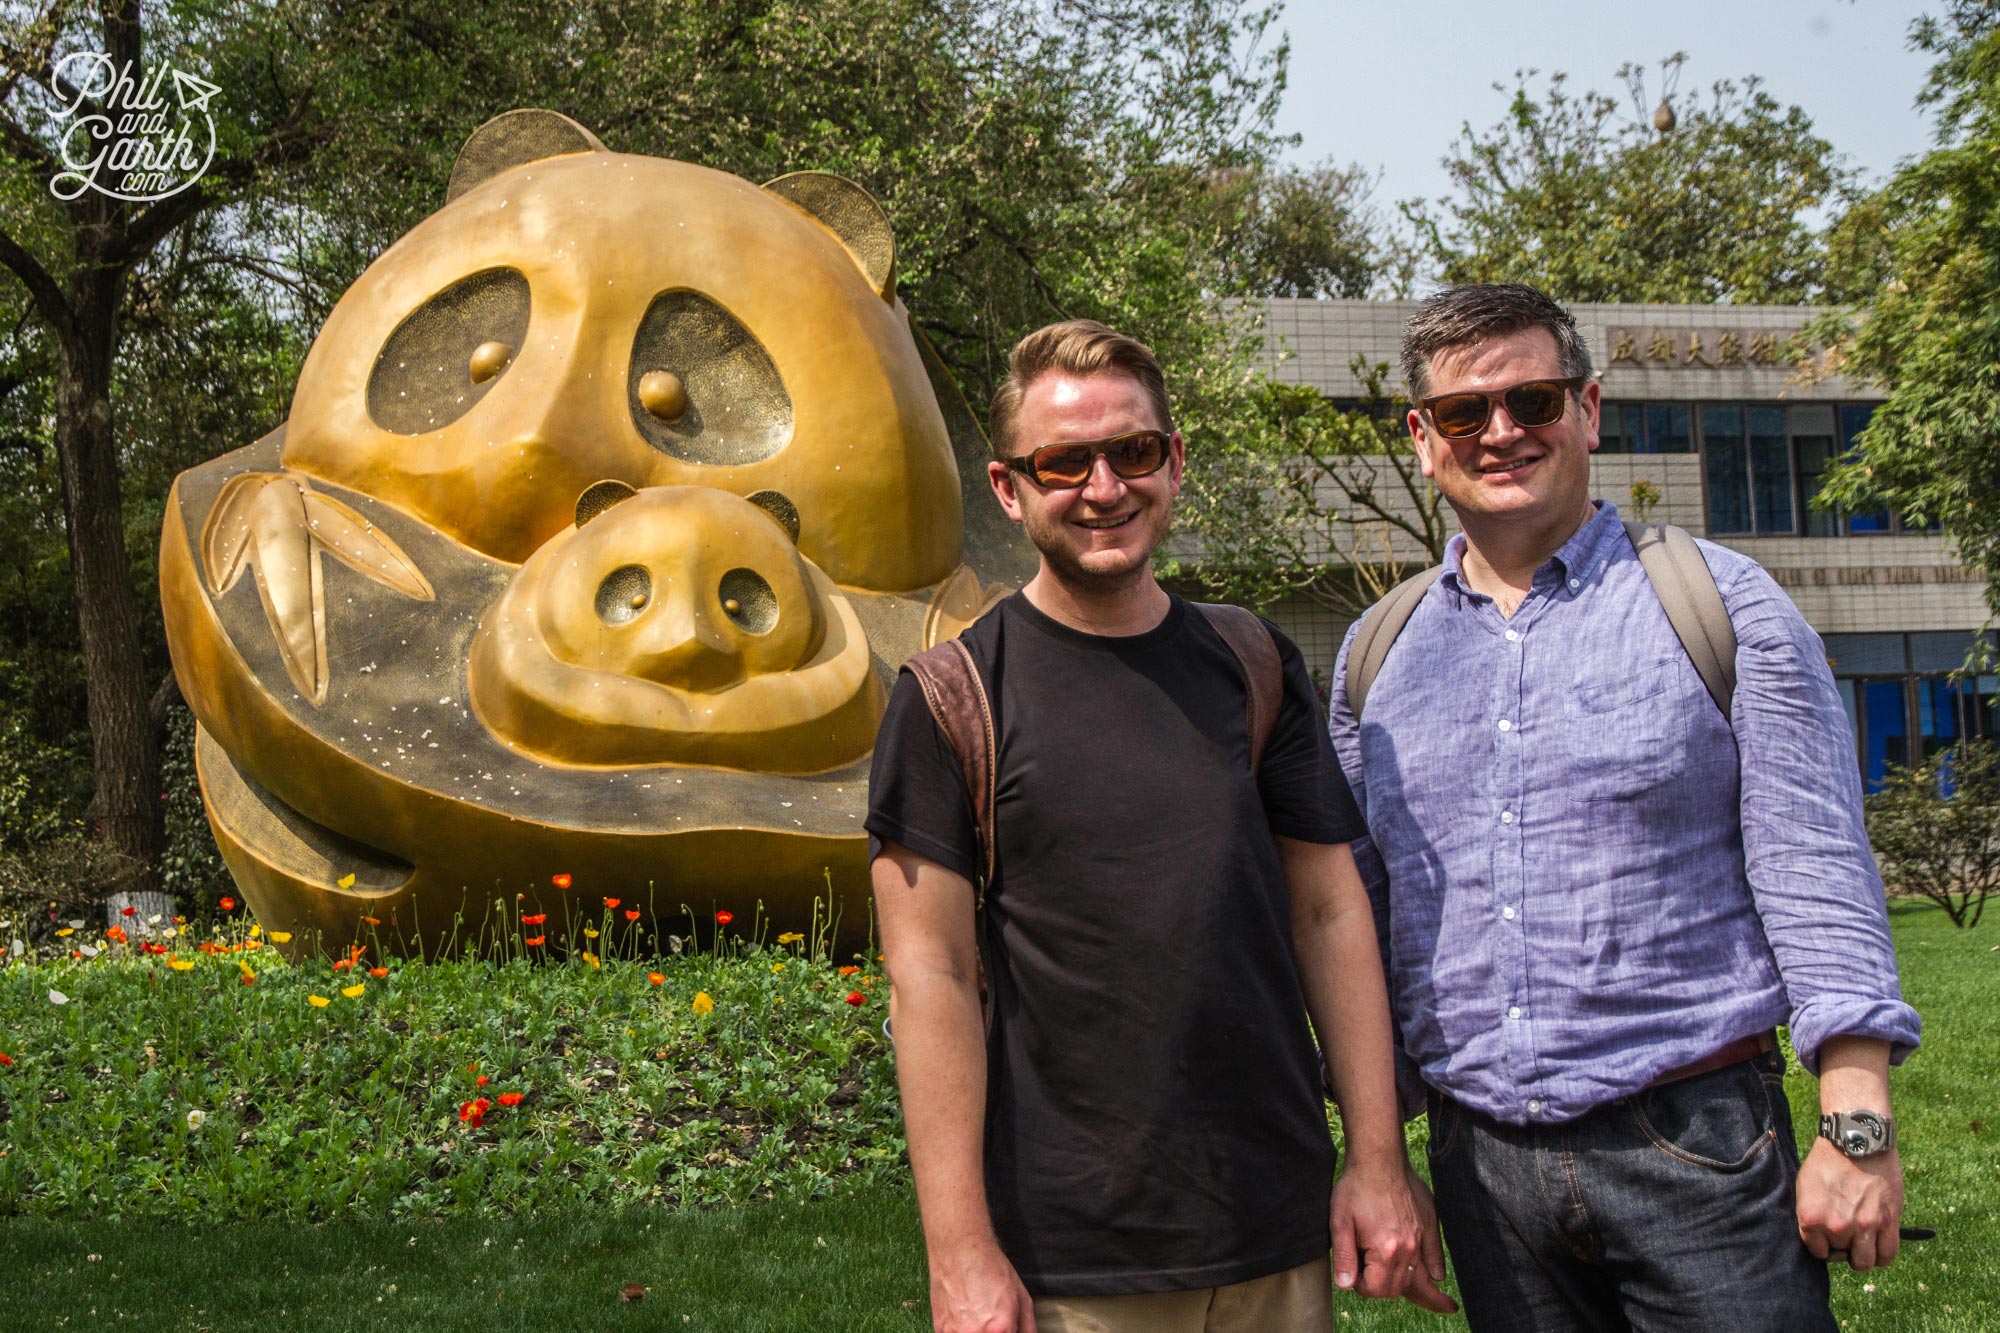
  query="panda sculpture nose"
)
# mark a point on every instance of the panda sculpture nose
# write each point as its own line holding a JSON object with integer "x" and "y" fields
{"x": 682, "y": 647}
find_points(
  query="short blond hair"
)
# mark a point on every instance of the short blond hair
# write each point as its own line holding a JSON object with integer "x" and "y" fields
{"x": 1075, "y": 347}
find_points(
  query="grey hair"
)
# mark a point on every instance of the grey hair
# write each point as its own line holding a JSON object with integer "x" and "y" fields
{"x": 1475, "y": 311}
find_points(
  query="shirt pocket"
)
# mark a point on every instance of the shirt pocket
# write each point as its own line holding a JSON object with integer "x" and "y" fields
{"x": 1626, "y": 736}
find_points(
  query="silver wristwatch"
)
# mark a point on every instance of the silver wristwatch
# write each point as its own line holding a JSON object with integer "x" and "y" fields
{"x": 1858, "y": 1133}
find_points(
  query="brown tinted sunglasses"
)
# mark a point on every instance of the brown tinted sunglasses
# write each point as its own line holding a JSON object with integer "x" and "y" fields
{"x": 1460, "y": 416}
{"x": 1061, "y": 467}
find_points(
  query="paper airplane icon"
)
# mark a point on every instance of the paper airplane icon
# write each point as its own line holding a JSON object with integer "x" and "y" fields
{"x": 194, "y": 92}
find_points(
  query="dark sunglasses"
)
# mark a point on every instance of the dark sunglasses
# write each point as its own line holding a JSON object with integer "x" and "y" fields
{"x": 1136, "y": 454}
{"x": 1460, "y": 416}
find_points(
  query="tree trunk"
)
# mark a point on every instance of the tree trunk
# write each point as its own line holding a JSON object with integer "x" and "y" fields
{"x": 125, "y": 754}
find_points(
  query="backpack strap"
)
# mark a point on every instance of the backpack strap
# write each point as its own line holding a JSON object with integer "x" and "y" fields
{"x": 1686, "y": 589}
{"x": 959, "y": 706}
{"x": 1379, "y": 627}
{"x": 1263, "y": 673}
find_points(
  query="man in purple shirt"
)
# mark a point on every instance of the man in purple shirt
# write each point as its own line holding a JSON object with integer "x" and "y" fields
{"x": 1597, "y": 895}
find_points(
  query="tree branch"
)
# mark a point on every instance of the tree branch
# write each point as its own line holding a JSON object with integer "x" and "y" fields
{"x": 42, "y": 289}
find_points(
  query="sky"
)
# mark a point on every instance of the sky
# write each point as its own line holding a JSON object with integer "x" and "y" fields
{"x": 1390, "y": 85}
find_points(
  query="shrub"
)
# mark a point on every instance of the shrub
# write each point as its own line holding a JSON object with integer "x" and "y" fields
{"x": 1936, "y": 829}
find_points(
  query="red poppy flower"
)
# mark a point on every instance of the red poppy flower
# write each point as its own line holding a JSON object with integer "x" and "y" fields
{"x": 378, "y": 972}
{"x": 511, "y": 1098}
{"x": 226, "y": 903}
{"x": 6, "y": 1059}
{"x": 147, "y": 946}
{"x": 249, "y": 978}
{"x": 849, "y": 970}
{"x": 474, "y": 1112}
{"x": 611, "y": 904}
{"x": 371, "y": 920}
{"x": 561, "y": 881}
{"x": 128, "y": 911}
{"x": 479, "y": 1082}
{"x": 657, "y": 978}
{"x": 723, "y": 918}
{"x": 632, "y": 914}
{"x": 115, "y": 933}
{"x": 343, "y": 964}
{"x": 855, "y": 997}
{"x": 535, "y": 920}
{"x": 535, "y": 941}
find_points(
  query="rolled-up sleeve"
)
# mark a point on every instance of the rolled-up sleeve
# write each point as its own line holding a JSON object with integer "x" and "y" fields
{"x": 1805, "y": 846}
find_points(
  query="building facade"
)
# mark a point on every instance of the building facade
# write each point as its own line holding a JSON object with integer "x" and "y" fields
{"x": 1706, "y": 416}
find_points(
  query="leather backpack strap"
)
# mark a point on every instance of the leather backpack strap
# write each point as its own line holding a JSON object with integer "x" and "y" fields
{"x": 1686, "y": 588}
{"x": 958, "y": 703}
{"x": 1263, "y": 673}
{"x": 1380, "y": 625}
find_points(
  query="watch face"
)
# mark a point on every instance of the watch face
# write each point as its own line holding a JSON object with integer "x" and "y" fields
{"x": 1855, "y": 1142}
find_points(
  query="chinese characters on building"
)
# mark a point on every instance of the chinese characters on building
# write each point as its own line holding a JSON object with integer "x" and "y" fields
{"x": 1704, "y": 349}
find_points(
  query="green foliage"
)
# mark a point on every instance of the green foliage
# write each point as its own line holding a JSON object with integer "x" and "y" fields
{"x": 1929, "y": 334}
{"x": 632, "y": 1096}
{"x": 1310, "y": 497}
{"x": 1586, "y": 200}
{"x": 1936, "y": 829}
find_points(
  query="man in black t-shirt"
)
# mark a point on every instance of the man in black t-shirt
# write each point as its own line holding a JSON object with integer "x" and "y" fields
{"x": 1139, "y": 1142}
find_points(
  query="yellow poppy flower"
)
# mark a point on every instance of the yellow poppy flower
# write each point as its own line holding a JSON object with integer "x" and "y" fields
{"x": 590, "y": 957}
{"x": 589, "y": 932}
{"x": 346, "y": 881}
{"x": 281, "y": 937}
{"x": 354, "y": 992}
{"x": 791, "y": 937}
{"x": 181, "y": 964}
{"x": 65, "y": 931}
{"x": 318, "y": 1001}
{"x": 255, "y": 931}
{"x": 777, "y": 967}
{"x": 703, "y": 1004}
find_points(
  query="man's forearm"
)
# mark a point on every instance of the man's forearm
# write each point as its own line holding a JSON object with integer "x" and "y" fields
{"x": 1340, "y": 969}
{"x": 941, "y": 1069}
{"x": 1854, "y": 1075}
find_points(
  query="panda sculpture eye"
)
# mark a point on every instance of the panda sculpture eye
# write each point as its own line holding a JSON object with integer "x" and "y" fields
{"x": 748, "y": 601}
{"x": 624, "y": 594}
{"x": 449, "y": 352}
{"x": 702, "y": 388}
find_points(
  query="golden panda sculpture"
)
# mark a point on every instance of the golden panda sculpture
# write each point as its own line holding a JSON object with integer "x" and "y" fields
{"x": 610, "y": 500}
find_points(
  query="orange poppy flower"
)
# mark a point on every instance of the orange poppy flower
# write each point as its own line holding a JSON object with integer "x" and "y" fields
{"x": 561, "y": 881}
{"x": 657, "y": 978}
{"x": 226, "y": 903}
{"x": 378, "y": 972}
{"x": 632, "y": 914}
{"x": 611, "y": 904}
{"x": 849, "y": 970}
{"x": 535, "y": 920}
{"x": 535, "y": 941}
{"x": 115, "y": 934}
{"x": 512, "y": 1098}
{"x": 342, "y": 965}
{"x": 724, "y": 917}
{"x": 855, "y": 997}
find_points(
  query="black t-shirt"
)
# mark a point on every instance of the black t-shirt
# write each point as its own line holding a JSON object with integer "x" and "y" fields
{"x": 1153, "y": 1115}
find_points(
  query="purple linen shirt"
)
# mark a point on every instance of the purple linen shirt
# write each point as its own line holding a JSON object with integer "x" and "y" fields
{"x": 1578, "y": 882}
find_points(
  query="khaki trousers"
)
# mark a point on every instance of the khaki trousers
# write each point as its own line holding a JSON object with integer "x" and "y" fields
{"x": 1299, "y": 1300}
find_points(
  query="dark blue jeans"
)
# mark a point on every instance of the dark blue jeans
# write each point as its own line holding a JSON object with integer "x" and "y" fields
{"x": 1669, "y": 1209}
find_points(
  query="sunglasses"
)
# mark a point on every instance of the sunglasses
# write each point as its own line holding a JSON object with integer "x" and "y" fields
{"x": 1136, "y": 454}
{"x": 1460, "y": 416}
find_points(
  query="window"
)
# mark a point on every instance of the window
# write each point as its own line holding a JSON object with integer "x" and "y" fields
{"x": 1765, "y": 462}
{"x": 1904, "y": 700}
{"x": 1645, "y": 428}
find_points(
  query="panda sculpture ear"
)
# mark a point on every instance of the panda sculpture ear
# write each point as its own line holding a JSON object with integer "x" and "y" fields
{"x": 600, "y": 496}
{"x": 513, "y": 139}
{"x": 850, "y": 213}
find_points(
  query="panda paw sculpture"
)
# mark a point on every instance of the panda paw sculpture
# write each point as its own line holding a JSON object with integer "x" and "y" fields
{"x": 610, "y": 500}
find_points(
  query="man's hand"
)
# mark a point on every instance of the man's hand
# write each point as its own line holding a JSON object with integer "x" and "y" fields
{"x": 1850, "y": 1205}
{"x": 1385, "y": 1237}
{"x": 975, "y": 1290}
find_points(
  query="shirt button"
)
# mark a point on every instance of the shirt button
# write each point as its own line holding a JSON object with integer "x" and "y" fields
{"x": 1507, "y": 913}
{"x": 1513, "y": 636}
{"x": 1514, "y": 1011}
{"x": 1506, "y": 816}
{"x": 1575, "y": 583}
{"x": 1505, "y": 725}
{"x": 1534, "y": 1106}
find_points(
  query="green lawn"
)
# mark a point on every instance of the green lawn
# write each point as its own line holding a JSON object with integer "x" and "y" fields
{"x": 850, "y": 1261}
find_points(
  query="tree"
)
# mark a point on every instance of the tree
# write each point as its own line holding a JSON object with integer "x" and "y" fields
{"x": 1311, "y": 497}
{"x": 1936, "y": 829}
{"x": 1583, "y": 197}
{"x": 1292, "y": 231}
{"x": 1929, "y": 334}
